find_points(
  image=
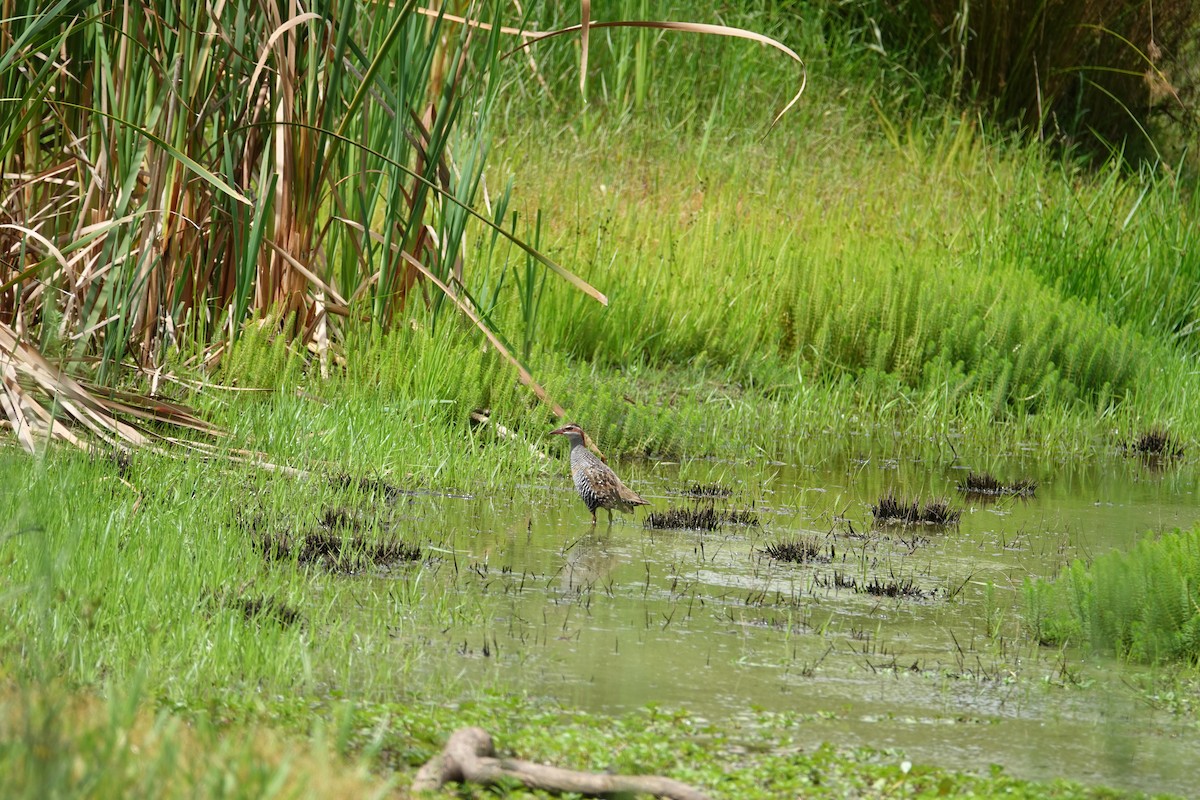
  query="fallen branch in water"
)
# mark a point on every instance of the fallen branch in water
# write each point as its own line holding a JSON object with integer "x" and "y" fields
{"x": 470, "y": 757}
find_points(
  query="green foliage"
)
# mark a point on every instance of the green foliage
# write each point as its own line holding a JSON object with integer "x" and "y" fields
{"x": 1105, "y": 74}
{"x": 64, "y": 745}
{"x": 1125, "y": 247}
{"x": 264, "y": 357}
{"x": 215, "y": 163}
{"x": 1144, "y": 604}
{"x": 1097, "y": 73}
{"x": 893, "y": 278}
{"x": 79, "y": 746}
{"x": 110, "y": 578}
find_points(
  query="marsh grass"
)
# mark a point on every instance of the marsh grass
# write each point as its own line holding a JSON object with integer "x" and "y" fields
{"x": 61, "y": 744}
{"x": 903, "y": 587}
{"x": 262, "y": 608}
{"x": 856, "y": 280}
{"x": 154, "y": 577}
{"x": 332, "y": 548}
{"x": 1095, "y": 71}
{"x": 164, "y": 567}
{"x": 1154, "y": 443}
{"x": 702, "y": 515}
{"x": 179, "y": 173}
{"x": 118, "y": 745}
{"x": 713, "y": 491}
{"x": 814, "y": 276}
{"x": 414, "y": 392}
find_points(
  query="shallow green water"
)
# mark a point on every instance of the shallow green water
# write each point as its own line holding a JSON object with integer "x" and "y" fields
{"x": 618, "y": 617}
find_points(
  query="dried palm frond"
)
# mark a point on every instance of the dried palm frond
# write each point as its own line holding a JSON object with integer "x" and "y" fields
{"x": 41, "y": 400}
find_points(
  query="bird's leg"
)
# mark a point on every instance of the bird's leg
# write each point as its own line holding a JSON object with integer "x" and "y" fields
{"x": 609, "y": 510}
{"x": 594, "y": 516}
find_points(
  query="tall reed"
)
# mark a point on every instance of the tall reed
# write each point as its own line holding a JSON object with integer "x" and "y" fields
{"x": 171, "y": 170}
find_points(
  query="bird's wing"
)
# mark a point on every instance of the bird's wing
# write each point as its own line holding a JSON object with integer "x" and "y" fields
{"x": 603, "y": 481}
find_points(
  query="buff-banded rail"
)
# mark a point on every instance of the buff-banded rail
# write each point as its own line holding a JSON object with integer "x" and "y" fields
{"x": 596, "y": 483}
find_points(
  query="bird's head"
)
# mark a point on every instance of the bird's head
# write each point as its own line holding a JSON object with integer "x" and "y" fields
{"x": 570, "y": 431}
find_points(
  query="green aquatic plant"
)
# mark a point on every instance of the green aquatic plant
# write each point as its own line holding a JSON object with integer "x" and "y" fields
{"x": 1143, "y": 604}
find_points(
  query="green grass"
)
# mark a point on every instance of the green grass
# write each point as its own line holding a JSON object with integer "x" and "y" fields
{"x": 128, "y": 584}
{"x": 130, "y": 669}
{"x": 929, "y": 257}
{"x": 63, "y": 744}
{"x": 403, "y": 409}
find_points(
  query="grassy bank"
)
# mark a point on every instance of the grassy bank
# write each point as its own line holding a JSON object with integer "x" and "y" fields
{"x": 840, "y": 280}
{"x": 87, "y": 747}
{"x": 964, "y": 269}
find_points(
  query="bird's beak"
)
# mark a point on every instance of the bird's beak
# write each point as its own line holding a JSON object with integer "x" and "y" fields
{"x": 560, "y": 432}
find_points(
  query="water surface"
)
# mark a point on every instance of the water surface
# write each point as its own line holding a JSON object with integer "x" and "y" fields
{"x": 610, "y": 619}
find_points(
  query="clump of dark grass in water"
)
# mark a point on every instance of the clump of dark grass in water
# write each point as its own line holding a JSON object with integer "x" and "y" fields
{"x": 982, "y": 483}
{"x": 262, "y": 608}
{"x": 892, "y": 511}
{"x": 327, "y": 547}
{"x": 266, "y": 608}
{"x": 713, "y": 491}
{"x": 840, "y": 580}
{"x": 701, "y": 516}
{"x": 736, "y": 517}
{"x": 903, "y": 588}
{"x": 893, "y": 587}
{"x": 342, "y": 519}
{"x": 704, "y": 518}
{"x": 798, "y": 550}
{"x": 1156, "y": 442}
